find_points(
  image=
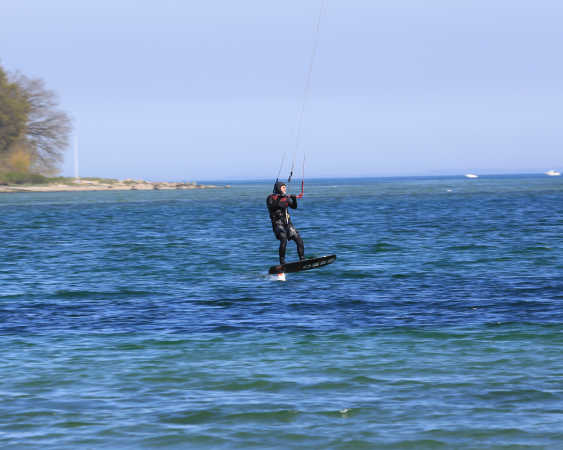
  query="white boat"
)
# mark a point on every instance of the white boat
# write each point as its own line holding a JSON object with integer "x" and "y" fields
{"x": 471, "y": 175}
{"x": 552, "y": 173}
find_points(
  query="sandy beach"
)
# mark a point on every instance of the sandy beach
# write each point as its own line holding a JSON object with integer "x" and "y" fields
{"x": 106, "y": 185}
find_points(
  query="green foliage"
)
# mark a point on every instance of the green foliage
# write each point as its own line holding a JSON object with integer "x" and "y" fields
{"x": 101, "y": 180}
{"x": 34, "y": 132}
{"x": 14, "y": 110}
{"x": 22, "y": 178}
{"x": 62, "y": 180}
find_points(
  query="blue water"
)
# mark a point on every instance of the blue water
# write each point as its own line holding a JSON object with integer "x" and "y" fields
{"x": 146, "y": 319}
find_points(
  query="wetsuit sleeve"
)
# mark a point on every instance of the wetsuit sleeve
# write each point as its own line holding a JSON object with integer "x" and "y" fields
{"x": 292, "y": 202}
{"x": 285, "y": 202}
{"x": 272, "y": 202}
{"x": 275, "y": 202}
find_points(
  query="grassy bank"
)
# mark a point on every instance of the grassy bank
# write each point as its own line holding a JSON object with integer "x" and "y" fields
{"x": 26, "y": 182}
{"x": 8, "y": 178}
{"x": 23, "y": 178}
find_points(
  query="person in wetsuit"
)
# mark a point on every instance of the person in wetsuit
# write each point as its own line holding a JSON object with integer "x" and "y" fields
{"x": 278, "y": 202}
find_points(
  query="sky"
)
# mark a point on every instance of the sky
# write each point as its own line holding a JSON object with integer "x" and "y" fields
{"x": 191, "y": 90}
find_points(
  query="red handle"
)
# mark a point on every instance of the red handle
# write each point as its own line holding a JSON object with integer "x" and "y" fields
{"x": 302, "y": 185}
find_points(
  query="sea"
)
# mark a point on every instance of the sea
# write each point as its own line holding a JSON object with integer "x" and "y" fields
{"x": 147, "y": 319}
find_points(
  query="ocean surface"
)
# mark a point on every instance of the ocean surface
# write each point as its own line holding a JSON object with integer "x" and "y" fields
{"x": 147, "y": 319}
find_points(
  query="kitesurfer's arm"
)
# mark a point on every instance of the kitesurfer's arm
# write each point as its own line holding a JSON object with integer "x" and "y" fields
{"x": 277, "y": 201}
{"x": 292, "y": 202}
{"x": 287, "y": 202}
{"x": 272, "y": 202}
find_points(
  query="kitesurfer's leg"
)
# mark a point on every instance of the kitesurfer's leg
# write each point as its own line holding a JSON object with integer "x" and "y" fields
{"x": 283, "y": 246}
{"x": 282, "y": 236}
{"x": 300, "y": 245}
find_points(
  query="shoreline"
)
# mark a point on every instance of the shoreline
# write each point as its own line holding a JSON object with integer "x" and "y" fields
{"x": 109, "y": 185}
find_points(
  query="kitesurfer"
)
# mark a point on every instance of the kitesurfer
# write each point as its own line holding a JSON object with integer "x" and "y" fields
{"x": 278, "y": 202}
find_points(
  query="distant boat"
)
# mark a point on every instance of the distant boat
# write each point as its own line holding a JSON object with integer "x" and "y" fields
{"x": 552, "y": 173}
{"x": 471, "y": 175}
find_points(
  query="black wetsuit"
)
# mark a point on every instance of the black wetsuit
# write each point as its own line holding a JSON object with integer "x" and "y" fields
{"x": 281, "y": 221}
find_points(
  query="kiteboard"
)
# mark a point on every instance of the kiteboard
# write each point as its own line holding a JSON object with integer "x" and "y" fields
{"x": 305, "y": 264}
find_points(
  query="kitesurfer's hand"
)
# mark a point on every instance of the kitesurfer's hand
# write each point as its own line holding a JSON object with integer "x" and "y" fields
{"x": 293, "y": 196}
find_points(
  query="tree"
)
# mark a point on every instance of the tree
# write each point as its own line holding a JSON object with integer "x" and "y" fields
{"x": 47, "y": 128}
{"x": 32, "y": 124}
{"x": 13, "y": 114}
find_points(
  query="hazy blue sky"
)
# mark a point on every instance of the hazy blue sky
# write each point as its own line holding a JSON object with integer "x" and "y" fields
{"x": 212, "y": 90}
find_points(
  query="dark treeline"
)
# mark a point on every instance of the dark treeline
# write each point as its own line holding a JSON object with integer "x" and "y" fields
{"x": 34, "y": 132}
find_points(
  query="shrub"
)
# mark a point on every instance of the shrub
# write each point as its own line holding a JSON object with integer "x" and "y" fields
{"x": 22, "y": 178}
